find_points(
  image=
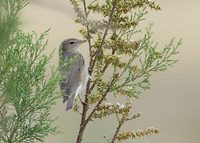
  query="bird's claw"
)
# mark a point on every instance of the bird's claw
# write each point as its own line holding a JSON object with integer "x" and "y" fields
{"x": 89, "y": 77}
{"x": 83, "y": 102}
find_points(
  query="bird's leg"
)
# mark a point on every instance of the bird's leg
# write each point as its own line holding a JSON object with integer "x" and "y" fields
{"x": 77, "y": 109}
{"x": 89, "y": 77}
{"x": 82, "y": 102}
{"x": 79, "y": 112}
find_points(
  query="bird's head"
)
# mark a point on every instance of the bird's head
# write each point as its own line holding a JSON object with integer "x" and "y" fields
{"x": 71, "y": 44}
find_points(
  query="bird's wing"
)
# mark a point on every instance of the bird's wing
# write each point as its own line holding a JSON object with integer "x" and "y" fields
{"x": 71, "y": 74}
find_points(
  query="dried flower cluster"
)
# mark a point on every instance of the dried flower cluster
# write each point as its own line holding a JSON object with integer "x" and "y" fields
{"x": 132, "y": 134}
{"x": 109, "y": 109}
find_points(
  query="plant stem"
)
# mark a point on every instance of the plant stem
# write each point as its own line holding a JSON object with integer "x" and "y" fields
{"x": 117, "y": 130}
{"x": 85, "y": 121}
{"x": 96, "y": 54}
{"x": 87, "y": 27}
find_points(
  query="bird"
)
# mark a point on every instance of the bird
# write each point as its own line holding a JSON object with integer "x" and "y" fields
{"x": 73, "y": 70}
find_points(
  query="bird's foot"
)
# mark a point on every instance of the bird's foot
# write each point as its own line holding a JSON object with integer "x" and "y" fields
{"x": 83, "y": 102}
{"x": 89, "y": 77}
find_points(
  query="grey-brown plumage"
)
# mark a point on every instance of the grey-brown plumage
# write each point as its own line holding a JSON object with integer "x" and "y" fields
{"x": 73, "y": 70}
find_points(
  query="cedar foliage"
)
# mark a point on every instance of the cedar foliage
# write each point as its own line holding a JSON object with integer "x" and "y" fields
{"x": 27, "y": 93}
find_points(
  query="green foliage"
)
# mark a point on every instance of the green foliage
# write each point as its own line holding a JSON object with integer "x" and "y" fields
{"x": 119, "y": 46}
{"x": 27, "y": 93}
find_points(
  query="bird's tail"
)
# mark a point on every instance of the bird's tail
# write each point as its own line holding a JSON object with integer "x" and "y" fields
{"x": 70, "y": 102}
{"x": 65, "y": 98}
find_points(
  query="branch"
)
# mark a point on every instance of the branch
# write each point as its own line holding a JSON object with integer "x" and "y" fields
{"x": 102, "y": 98}
{"x": 85, "y": 121}
{"x": 96, "y": 54}
{"x": 87, "y": 27}
{"x": 118, "y": 129}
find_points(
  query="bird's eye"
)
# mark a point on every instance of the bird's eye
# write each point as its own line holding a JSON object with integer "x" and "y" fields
{"x": 71, "y": 42}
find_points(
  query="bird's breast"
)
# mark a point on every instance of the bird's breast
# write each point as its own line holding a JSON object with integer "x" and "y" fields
{"x": 84, "y": 76}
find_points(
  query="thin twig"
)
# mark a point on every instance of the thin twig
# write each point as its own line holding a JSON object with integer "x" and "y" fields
{"x": 118, "y": 129}
{"x": 87, "y": 27}
{"x": 96, "y": 54}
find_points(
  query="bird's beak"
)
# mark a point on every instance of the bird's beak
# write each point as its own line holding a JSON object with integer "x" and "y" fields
{"x": 82, "y": 41}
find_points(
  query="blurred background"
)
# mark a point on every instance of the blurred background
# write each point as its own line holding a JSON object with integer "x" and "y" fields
{"x": 173, "y": 102}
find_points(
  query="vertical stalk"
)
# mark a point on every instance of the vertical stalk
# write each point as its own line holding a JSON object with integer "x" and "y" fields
{"x": 93, "y": 59}
{"x": 118, "y": 129}
{"x": 84, "y": 120}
